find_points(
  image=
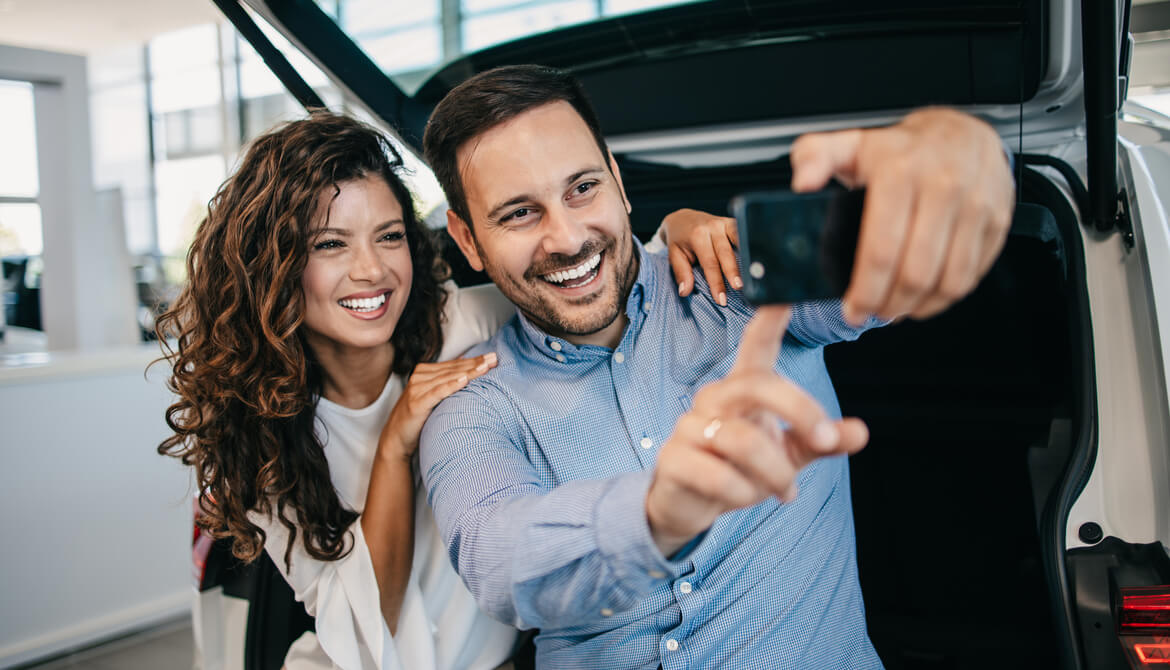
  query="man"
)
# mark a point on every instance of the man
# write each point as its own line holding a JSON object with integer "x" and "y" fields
{"x": 621, "y": 480}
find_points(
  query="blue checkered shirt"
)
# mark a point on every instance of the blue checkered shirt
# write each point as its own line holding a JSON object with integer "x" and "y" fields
{"x": 538, "y": 472}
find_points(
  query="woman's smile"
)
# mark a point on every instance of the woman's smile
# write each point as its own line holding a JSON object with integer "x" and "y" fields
{"x": 366, "y": 306}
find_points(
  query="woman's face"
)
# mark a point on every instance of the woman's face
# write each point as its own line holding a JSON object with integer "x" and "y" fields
{"x": 359, "y": 272}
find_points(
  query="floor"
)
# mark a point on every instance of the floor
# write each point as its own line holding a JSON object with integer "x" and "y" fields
{"x": 167, "y": 647}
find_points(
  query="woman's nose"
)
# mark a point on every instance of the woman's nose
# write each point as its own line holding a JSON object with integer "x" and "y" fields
{"x": 367, "y": 266}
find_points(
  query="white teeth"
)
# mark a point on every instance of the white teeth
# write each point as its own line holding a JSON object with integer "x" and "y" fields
{"x": 581, "y": 270}
{"x": 363, "y": 304}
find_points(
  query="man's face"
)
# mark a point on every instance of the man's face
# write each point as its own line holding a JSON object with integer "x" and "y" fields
{"x": 551, "y": 222}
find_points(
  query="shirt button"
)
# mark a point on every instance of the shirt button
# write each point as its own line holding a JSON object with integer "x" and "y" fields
{"x": 647, "y": 443}
{"x": 672, "y": 644}
{"x": 685, "y": 587}
{"x": 619, "y": 357}
{"x": 605, "y": 611}
{"x": 561, "y": 357}
{"x": 657, "y": 574}
{"x": 556, "y": 346}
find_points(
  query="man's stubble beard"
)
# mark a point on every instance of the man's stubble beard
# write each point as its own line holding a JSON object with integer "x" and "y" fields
{"x": 540, "y": 312}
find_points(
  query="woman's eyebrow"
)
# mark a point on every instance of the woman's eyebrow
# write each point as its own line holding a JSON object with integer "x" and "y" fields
{"x": 390, "y": 224}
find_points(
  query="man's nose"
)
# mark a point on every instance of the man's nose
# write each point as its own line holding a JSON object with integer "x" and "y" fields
{"x": 564, "y": 233}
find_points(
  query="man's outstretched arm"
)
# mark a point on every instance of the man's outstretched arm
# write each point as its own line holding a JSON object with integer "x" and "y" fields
{"x": 535, "y": 555}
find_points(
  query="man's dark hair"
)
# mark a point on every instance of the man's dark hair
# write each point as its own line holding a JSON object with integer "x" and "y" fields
{"x": 487, "y": 100}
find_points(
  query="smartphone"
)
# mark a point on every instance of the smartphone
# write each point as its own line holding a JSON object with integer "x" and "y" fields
{"x": 797, "y": 246}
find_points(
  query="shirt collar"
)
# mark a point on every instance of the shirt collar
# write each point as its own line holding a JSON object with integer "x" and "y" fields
{"x": 642, "y": 296}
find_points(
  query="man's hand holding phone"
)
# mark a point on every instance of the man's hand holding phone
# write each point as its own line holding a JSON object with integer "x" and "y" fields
{"x": 938, "y": 205}
{"x": 728, "y": 451}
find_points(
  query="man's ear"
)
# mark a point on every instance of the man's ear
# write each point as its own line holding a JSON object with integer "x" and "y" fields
{"x": 617, "y": 174}
{"x": 460, "y": 231}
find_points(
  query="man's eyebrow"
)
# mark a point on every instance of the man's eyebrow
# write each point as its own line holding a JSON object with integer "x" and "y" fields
{"x": 574, "y": 177}
{"x": 494, "y": 215}
{"x": 497, "y": 211}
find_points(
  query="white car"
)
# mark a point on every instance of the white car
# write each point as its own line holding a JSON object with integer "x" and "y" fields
{"x": 1013, "y": 506}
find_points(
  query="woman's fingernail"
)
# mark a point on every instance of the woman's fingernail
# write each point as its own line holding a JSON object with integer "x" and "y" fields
{"x": 737, "y": 282}
{"x": 723, "y": 299}
{"x": 681, "y": 287}
{"x": 490, "y": 357}
{"x": 825, "y": 435}
{"x": 462, "y": 379}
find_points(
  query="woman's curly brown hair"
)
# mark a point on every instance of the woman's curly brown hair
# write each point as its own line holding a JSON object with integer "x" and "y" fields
{"x": 247, "y": 381}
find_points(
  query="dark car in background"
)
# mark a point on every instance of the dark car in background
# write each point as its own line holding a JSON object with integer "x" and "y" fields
{"x": 1013, "y": 506}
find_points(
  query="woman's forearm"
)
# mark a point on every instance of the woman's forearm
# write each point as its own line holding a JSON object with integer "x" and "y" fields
{"x": 388, "y": 524}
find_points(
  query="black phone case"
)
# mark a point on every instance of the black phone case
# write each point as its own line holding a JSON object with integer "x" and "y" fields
{"x": 797, "y": 246}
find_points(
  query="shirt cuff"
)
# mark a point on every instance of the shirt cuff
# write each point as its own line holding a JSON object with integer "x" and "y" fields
{"x": 624, "y": 540}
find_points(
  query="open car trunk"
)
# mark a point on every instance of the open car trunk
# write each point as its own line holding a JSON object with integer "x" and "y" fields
{"x": 983, "y": 419}
{"x": 973, "y": 416}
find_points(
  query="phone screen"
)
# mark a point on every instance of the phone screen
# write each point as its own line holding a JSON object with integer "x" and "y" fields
{"x": 797, "y": 246}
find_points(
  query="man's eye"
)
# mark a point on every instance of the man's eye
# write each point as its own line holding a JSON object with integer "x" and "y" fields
{"x": 517, "y": 214}
{"x": 585, "y": 187}
{"x": 328, "y": 244}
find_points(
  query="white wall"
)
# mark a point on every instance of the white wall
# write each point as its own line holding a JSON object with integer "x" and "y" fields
{"x": 96, "y": 526}
{"x": 86, "y": 291}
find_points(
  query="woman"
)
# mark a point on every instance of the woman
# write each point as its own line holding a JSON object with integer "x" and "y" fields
{"x": 304, "y": 372}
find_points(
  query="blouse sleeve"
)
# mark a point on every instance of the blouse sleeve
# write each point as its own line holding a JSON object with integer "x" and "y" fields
{"x": 343, "y": 597}
{"x": 471, "y": 316}
{"x": 655, "y": 245}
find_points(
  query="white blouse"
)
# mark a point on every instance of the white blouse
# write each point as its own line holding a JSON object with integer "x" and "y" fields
{"x": 440, "y": 627}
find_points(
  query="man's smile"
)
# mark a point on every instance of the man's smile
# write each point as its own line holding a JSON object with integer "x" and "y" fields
{"x": 575, "y": 277}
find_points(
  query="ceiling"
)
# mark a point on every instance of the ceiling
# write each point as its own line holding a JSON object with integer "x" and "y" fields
{"x": 84, "y": 26}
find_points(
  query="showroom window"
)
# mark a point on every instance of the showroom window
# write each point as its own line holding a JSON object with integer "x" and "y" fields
{"x": 20, "y": 215}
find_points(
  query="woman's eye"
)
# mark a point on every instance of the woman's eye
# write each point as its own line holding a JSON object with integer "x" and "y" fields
{"x": 395, "y": 236}
{"x": 327, "y": 244}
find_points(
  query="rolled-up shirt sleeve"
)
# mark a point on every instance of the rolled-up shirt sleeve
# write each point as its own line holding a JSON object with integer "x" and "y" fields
{"x": 534, "y": 555}
{"x": 822, "y": 322}
{"x": 343, "y": 597}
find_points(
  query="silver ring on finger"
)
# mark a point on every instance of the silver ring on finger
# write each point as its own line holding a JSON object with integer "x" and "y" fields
{"x": 711, "y": 429}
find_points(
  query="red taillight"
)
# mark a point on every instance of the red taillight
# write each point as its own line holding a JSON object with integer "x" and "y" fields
{"x": 1153, "y": 654}
{"x": 1145, "y": 609}
{"x": 1143, "y": 625}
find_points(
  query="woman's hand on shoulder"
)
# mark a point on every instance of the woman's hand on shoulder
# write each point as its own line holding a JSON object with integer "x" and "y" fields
{"x": 425, "y": 389}
{"x": 694, "y": 237}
